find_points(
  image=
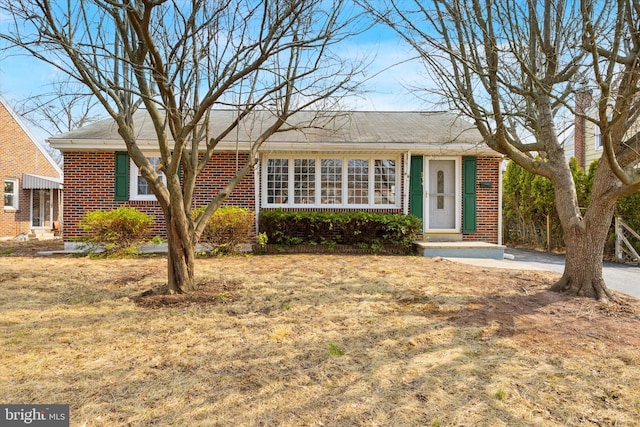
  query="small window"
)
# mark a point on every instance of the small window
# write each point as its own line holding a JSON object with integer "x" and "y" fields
{"x": 11, "y": 194}
{"x": 139, "y": 188}
{"x": 440, "y": 190}
{"x": 598, "y": 138}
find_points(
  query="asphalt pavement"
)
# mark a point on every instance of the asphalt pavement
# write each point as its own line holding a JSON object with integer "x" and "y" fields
{"x": 620, "y": 277}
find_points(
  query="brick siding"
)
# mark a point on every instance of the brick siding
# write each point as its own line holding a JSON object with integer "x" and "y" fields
{"x": 19, "y": 155}
{"x": 487, "y": 208}
{"x": 89, "y": 184}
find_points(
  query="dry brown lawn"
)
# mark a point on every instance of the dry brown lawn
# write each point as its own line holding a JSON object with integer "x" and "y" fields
{"x": 304, "y": 340}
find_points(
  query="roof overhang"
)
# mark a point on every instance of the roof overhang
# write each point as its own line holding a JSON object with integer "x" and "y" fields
{"x": 444, "y": 149}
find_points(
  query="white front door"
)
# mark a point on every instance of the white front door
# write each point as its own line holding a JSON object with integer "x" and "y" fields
{"x": 441, "y": 195}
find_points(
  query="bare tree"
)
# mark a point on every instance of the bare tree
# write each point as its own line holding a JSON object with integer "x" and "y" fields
{"x": 512, "y": 67}
{"x": 64, "y": 107}
{"x": 180, "y": 59}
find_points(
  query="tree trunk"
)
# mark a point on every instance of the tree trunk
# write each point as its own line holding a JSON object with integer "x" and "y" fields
{"x": 585, "y": 243}
{"x": 180, "y": 261}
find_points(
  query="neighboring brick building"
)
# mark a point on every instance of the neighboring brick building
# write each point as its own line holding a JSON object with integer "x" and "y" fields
{"x": 32, "y": 181}
{"x": 433, "y": 165}
{"x": 582, "y": 138}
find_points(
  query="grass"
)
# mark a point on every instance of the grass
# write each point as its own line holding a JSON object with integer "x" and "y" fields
{"x": 334, "y": 350}
{"x": 264, "y": 343}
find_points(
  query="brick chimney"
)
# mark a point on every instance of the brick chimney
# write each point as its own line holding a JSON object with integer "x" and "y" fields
{"x": 583, "y": 102}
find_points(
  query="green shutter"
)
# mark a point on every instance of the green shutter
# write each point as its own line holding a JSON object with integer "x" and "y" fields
{"x": 469, "y": 173}
{"x": 121, "y": 176}
{"x": 416, "y": 187}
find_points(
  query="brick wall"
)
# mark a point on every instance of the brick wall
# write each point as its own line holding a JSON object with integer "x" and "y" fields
{"x": 487, "y": 207}
{"x": 19, "y": 155}
{"x": 89, "y": 185}
{"x": 583, "y": 101}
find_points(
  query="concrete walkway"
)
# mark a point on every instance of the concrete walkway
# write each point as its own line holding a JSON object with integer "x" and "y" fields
{"x": 619, "y": 277}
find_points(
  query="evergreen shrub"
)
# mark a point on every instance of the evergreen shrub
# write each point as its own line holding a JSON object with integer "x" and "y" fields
{"x": 120, "y": 230}
{"x": 528, "y": 199}
{"x": 345, "y": 228}
{"x": 228, "y": 227}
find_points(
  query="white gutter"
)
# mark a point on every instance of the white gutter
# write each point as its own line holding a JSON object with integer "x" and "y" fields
{"x": 444, "y": 149}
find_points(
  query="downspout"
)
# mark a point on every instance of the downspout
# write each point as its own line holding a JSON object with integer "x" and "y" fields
{"x": 405, "y": 196}
{"x": 61, "y": 211}
{"x": 256, "y": 192}
{"x": 500, "y": 202}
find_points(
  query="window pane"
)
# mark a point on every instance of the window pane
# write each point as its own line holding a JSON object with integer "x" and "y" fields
{"x": 358, "y": 181}
{"x": 9, "y": 193}
{"x": 440, "y": 190}
{"x": 385, "y": 182}
{"x": 304, "y": 178}
{"x": 331, "y": 182}
{"x": 143, "y": 186}
{"x": 277, "y": 181}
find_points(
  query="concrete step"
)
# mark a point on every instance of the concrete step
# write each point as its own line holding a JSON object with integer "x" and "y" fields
{"x": 460, "y": 249}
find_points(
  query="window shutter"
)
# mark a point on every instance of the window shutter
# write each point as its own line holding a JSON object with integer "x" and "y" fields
{"x": 416, "y": 187}
{"x": 121, "y": 176}
{"x": 469, "y": 172}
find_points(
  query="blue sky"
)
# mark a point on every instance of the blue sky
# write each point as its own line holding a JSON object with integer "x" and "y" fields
{"x": 21, "y": 76}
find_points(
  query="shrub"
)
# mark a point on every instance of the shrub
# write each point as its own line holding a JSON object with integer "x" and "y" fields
{"x": 529, "y": 199}
{"x": 361, "y": 229}
{"x": 228, "y": 227}
{"x": 120, "y": 230}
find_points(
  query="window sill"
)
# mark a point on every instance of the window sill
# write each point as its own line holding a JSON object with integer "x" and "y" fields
{"x": 143, "y": 199}
{"x": 274, "y": 206}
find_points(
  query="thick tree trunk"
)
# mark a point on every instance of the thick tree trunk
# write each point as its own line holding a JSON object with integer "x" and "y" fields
{"x": 584, "y": 250}
{"x": 584, "y": 235}
{"x": 180, "y": 261}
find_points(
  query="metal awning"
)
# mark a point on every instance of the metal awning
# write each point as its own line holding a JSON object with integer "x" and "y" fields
{"x": 36, "y": 182}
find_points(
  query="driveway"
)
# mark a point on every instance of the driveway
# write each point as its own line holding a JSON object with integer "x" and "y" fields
{"x": 620, "y": 277}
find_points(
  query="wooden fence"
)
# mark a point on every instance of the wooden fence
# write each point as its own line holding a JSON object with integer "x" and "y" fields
{"x": 625, "y": 251}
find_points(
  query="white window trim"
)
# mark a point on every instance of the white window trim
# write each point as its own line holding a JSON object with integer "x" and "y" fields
{"x": 597, "y": 138}
{"x": 345, "y": 194}
{"x": 133, "y": 182}
{"x": 16, "y": 194}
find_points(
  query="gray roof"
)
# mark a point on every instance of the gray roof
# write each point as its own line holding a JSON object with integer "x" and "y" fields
{"x": 325, "y": 131}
